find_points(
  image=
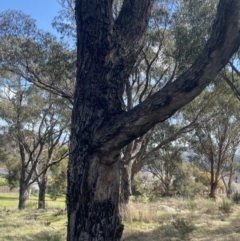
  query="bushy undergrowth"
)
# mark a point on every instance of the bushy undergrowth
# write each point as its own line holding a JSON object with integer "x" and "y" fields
{"x": 3, "y": 181}
{"x": 184, "y": 227}
{"x": 236, "y": 197}
{"x": 226, "y": 206}
{"x": 192, "y": 204}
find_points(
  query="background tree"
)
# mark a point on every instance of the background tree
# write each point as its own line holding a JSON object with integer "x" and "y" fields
{"x": 185, "y": 184}
{"x": 35, "y": 123}
{"x": 191, "y": 28}
{"x": 231, "y": 166}
{"x": 59, "y": 179}
{"x": 215, "y": 140}
{"x": 158, "y": 61}
{"x": 36, "y": 56}
{"x": 164, "y": 165}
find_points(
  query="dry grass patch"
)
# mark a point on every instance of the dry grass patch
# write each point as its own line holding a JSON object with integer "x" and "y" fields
{"x": 200, "y": 219}
{"x": 172, "y": 219}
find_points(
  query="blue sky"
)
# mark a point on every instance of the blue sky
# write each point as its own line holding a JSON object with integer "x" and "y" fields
{"x": 43, "y": 11}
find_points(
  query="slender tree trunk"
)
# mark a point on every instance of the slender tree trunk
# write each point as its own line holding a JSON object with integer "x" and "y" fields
{"x": 213, "y": 190}
{"x": 167, "y": 188}
{"x": 23, "y": 188}
{"x": 22, "y": 182}
{"x": 229, "y": 193}
{"x": 229, "y": 187}
{"x": 125, "y": 189}
{"x": 22, "y": 196}
{"x": 42, "y": 191}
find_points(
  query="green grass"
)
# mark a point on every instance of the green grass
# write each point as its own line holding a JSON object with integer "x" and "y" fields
{"x": 146, "y": 221}
{"x": 10, "y": 201}
{"x": 32, "y": 224}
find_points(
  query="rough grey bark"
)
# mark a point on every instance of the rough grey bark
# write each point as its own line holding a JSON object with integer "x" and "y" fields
{"x": 107, "y": 51}
{"x": 42, "y": 190}
{"x": 22, "y": 192}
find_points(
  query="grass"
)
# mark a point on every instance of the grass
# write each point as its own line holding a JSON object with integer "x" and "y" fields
{"x": 32, "y": 224}
{"x": 167, "y": 220}
{"x": 10, "y": 200}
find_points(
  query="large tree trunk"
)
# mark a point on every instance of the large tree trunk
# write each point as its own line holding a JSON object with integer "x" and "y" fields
{"x": 104, "y": 62}
{"x": 93, "y": 200}
{"x": 107, "y": 49}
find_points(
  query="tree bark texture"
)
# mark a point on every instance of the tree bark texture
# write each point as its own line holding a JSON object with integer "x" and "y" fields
{"x": 42, "y": 191}
{"x": 23, "y": 183}
{"x": 22, "y": 196}
{"x": 107, "y": 49}
{"x": 213, "y": 190}
{"x": 125, "y": 189}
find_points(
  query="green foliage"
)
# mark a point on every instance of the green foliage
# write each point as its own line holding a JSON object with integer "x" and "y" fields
{"x": 3, "y": 181}
{"x": 236, "y": 197}
{"x": 184, "y": 184}
{"x": 205, "y": 179}
{"x": 184, "y": 227}
{"x": 3, "y": 157}
{"x": 59, "y": 179}
{"x": 165, "y": 163}
{"x": 138, "y": 185}
{"x": 192, "y": 26}
{"x": 14, "y": 168}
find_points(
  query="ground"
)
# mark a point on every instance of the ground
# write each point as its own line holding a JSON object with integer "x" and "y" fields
{"x": 169, "y": 219}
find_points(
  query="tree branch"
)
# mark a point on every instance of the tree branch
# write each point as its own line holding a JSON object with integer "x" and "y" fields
{"x": 222, "y": 44}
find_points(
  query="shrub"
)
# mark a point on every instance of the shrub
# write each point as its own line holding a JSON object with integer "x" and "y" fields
{"x": 192, "y": 205}
{"x": 226, "y": 207}
{"x": 236, "y": 197}
{"x": 184, "y": 227}
{"x": 3, "y": 181}
{"x": 211, "y": 207}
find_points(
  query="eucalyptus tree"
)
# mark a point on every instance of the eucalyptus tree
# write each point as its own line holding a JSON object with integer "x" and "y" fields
{"x": 137, "y": 86}
{"x": 35, "y": 55}
{"x": 35, "y": 122}
{"x": 164, "y": 164}
{"x": 191, "y": 28}
{"x": 107, "y": 50}
{"x": 216, "y": 138}
{"x": 65, "y": 23}
{"x": 55, "y": 137}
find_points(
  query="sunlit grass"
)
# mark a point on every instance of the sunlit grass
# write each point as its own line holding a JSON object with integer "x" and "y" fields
{"x": 146, "y": 221}
{"x": 10, "y": 201}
